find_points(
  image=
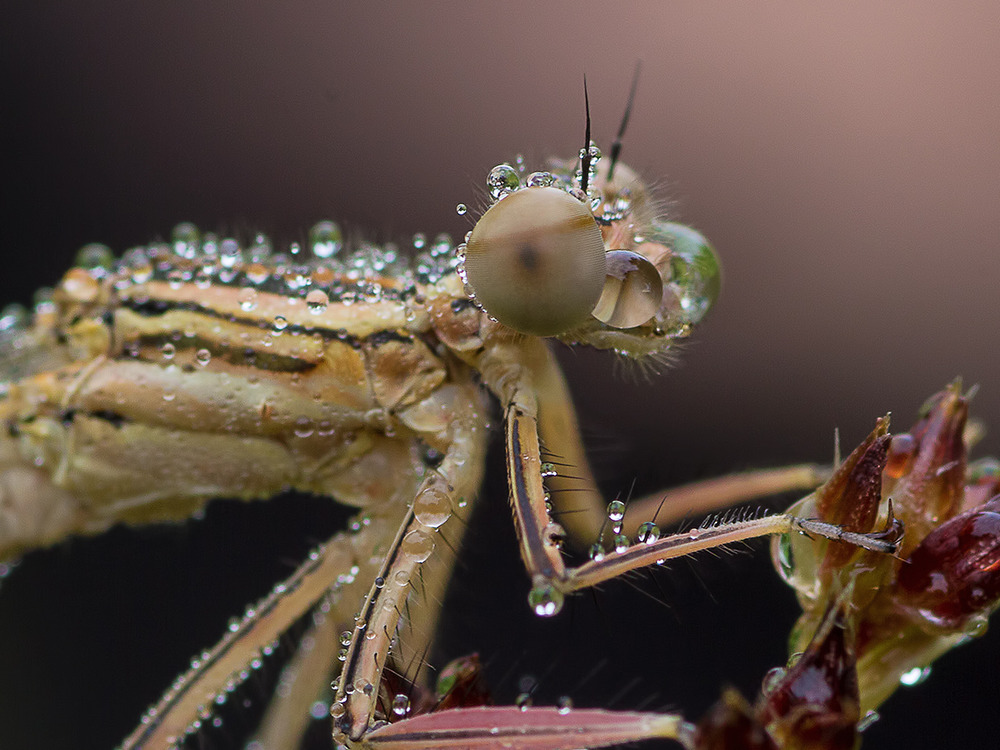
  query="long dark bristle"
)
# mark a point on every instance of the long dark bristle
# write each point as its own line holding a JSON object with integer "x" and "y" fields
{"x": 585, "y": 157}
{"x": 616, "y": 147}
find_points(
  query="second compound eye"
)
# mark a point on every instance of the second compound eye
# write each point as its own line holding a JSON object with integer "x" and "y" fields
{"x": 536, "y": 261}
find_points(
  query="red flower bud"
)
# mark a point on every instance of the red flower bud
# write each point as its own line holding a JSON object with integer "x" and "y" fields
{"x": 954, "y": 573}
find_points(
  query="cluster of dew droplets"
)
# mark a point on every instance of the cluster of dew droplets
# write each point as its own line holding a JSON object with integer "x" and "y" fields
{"x": 592, "y": 196}
{"x": 647, "y": 533}
{"x": 545, "y": 599}
{"x": 237, "y": 628}
{"x": 319, "y": 270}
{"x": 431, "y": 509}
{"x": 434, "y": 258}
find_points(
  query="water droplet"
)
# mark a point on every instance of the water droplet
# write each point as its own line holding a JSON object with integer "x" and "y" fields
{"x": 523, "y": 701}
{"x": 545, "y": 599}
{"x": 247, "y": 299}
{"x": 325, "y": 239}
{"x": 596, "y": 552}
{"x": 14, "y": 316}
{"x": 168, "y": 350}
{"x": 915, "y": 676}
{"x": 304, "y": 427}
{"x": 442, "y": 245}
{"x": 184, "y": 239}
{"x": 772, "y": 679}
{"x": 540, "y": 179}
{"x": 94, "y": 256}
{"x": 280, "y": 324}
{"x": 229, "y": 253}
{"x": 565, "y": 704}
{"x": 319, "y": 710}
{"x": 621, "y": 543}
{"x": 647, "y": 533}
{"x": 432, "y": 507}
{"x": 867, "y": 720}
{"x": 401, "y": 704}
{"x": 547, "y": 469}
{"x": 257, "y": 273}
{"x": 616, "y": 511}
{"x": 260, "y": 250}
{"x": 417, "y": 546}
{"x": 461, "y": 209}
{"x": 786, "y": 560}
{"x": 317, "y": 301}
{"x": 501, "y": 180}
{"x": 203, "y": 357}
{"x": 419, "y": 240}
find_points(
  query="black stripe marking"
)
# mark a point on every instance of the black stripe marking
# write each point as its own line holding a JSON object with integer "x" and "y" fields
{"x": 155, "y": 307}
{"x": 522, "y": 500}
{"x": 246, "y": 356}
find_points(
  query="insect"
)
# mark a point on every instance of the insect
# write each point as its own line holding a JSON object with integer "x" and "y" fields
{"x": 201, "y": 368}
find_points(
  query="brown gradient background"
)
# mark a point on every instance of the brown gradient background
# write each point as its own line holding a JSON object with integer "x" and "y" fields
{"x": 844, "y": 161}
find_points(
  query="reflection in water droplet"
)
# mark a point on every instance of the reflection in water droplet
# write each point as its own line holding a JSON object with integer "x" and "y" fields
{"x": 616, "y": 511}
{"x": 772, "y": 679}
{"x": 325, "y": 239}
{"x": 501, "y": 180}
{"x": 544, "y": 599}
{"x": 417, "y": 546}
{"x": 319, "y": 710}
{"x": 432, "y": 507}
{"x": 915, "y": 676}
{"x": 304, "y": 427}
{"x": 647, "y": 533}
{"x": 317, "y": 301}
{"x": 247, "y": 299}
{"x": 94, "y": 255}
{"x": 401, "y": 704}
{"x": 867, "y": 720}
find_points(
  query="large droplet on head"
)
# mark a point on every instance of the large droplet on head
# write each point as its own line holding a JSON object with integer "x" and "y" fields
{"x": 633, "y": 291}
{"x": 536, "y": 261}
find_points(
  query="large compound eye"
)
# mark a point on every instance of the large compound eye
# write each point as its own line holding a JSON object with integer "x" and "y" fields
{"x": 536, "y": 261}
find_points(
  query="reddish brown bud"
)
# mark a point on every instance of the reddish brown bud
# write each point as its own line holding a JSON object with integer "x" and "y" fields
{"x": 816, "y": 704}
{"x": 931, "y": 486}
{"x": 731, "y": 725}
{"x": 857, "y": 507}
{"x": 954, "y": 574}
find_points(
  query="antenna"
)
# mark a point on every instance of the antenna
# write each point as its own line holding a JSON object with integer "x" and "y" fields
{"x": 585, "y": 154}
{"x": 616, "y": 147}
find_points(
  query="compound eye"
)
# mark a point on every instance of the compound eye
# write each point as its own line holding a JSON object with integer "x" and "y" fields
{"x": 633, "y": 291}
{"x": 536, "y": 261}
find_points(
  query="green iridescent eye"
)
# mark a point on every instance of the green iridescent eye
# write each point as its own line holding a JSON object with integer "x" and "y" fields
{"x": 536, "y": 261}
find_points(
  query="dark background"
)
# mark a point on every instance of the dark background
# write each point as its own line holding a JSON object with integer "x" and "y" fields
{"x": 844, "y": 161}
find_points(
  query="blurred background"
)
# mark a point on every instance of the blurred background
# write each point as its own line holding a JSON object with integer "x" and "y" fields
{"x": 842, "y": 158}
